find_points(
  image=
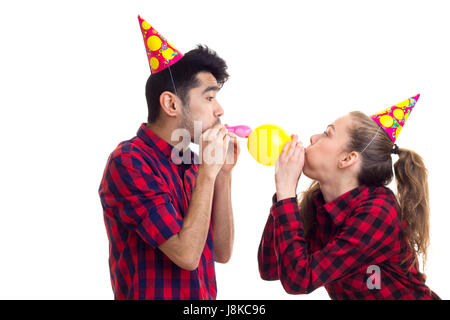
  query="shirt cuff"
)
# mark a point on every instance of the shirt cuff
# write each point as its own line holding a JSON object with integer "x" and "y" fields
{"x": 275, "y": 200}
{"x": 284, "y": 207}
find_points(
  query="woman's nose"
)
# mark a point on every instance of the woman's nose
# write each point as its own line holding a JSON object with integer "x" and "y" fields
{"x": 313, "y": 139}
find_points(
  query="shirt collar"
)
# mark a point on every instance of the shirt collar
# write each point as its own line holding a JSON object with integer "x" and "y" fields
{"x": 339, "y": 208}
{"x": 163, "y": 147}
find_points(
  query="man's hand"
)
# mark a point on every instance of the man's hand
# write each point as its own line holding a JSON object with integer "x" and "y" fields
{"x": 214, "y": 149}
{"x": 232, "y": 156}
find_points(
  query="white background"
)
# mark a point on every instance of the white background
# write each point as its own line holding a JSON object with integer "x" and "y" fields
{"x": 72, "y": 78}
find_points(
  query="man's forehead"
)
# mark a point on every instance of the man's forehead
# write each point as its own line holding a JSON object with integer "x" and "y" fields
{"x": 206, "y": 79}
{"x": 206, "y": 83}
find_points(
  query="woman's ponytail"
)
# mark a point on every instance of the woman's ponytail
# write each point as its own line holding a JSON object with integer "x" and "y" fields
{"x": 412, "y": 193}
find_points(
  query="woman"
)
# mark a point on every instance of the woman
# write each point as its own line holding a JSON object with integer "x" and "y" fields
{"x": 349, "y": 232}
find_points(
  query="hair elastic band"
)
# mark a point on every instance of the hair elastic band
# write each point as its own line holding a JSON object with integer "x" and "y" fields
{"x": 395, "y": 149}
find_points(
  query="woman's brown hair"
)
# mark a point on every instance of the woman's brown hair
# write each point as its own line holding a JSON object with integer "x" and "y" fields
{"x": 375, "y": 148}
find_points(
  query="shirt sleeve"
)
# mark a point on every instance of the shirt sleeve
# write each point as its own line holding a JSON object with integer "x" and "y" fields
{"x": 267, "y": 260}
{"x": 140, "y": 200}
{"x": 365, "y": 238}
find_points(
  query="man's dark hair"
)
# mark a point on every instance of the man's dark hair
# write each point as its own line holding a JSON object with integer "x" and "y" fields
{"x": 184, "y": 72}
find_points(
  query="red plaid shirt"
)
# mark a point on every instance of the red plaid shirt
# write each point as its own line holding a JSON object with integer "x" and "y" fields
{"x": 359, "y": 229}
{"x": 145, "y": 197}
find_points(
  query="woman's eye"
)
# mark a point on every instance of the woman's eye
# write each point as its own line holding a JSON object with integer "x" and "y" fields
{"x": 210, "y": 98}
{"x": 325, "y": 133}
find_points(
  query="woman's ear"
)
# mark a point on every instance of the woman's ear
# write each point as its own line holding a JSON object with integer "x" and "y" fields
{"x": 348, "y": 160}
{"x": 168, "y": 102}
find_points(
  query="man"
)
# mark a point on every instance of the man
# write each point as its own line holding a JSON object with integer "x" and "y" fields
{"x": 168, "y": 222}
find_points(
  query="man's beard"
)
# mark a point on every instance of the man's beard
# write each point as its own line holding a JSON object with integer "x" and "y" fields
{"x": 216, "y": 122}
{"x": 188, "y": 124}
{"x": 186, "y": 121}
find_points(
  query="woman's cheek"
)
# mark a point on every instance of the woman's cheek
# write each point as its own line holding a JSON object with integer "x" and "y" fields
{"x": 309, "y": 158}
{"x": 308, "y": 170}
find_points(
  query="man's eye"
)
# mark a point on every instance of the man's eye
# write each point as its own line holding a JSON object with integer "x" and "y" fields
{"x": 325, "y": 133}
{"x": 210, "y": 98}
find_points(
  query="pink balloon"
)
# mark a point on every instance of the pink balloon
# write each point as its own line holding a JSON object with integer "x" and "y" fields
{"x": 241, "y": 130}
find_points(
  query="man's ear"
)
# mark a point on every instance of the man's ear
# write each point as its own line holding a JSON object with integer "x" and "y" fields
{"x": 348, "y": 160}
{"x": 169, "y": 103}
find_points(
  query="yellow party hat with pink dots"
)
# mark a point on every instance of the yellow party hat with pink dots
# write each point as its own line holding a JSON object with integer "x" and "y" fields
{"x": 393, "y": 118}
{"x": 160, "y": 53}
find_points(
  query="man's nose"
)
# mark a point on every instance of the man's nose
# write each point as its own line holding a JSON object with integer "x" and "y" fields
{"x": 219, "y": 111}
{"x": 312, "y": 140}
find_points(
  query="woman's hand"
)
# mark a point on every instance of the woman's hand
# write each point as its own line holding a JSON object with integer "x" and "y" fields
{"x": 288, "y": 168}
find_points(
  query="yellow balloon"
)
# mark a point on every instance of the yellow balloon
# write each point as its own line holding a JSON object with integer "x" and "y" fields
{"x": 266, "y": 142}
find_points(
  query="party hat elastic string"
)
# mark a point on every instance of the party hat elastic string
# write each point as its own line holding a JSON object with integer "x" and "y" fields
{"x": 173, "y": 82}
{"x": 372, "y": 139}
